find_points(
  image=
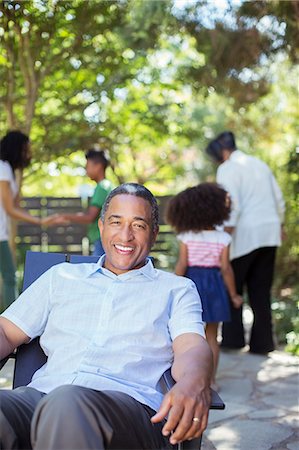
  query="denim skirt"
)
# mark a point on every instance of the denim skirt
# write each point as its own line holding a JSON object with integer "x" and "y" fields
{"x": 212, "y": 291}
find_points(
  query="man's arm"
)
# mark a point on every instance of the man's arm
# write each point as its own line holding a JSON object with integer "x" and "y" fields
{"x": 190, "y": 397}
{"x": 11, "y": 337}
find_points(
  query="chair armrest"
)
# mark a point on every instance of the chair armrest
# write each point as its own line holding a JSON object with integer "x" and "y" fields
{"x": 4, "y": 360}
{"x": 216, "y": 401}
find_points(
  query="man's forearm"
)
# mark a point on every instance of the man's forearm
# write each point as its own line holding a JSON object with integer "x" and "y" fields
{"x": 5, "y": 346}
{"x": 11, "y": 337}
{"x": 187, "y": 403}
{"x": 195, "y": 364}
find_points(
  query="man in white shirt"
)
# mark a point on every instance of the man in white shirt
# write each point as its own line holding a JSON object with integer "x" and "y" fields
{"x": 255, "y": 223}
{"x": 110, "y": 330}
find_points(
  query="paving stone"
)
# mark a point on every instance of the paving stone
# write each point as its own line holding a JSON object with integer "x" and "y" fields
{"x": 239, "y": 362}
{"x": 238, "y": 389}
{"x": 271, "y": 372}
{"x": 247, "y": 435}
{"x": 280, "y": 385}
{"x": 282, "y": 362}
{"x": 266, "y": 414}
{"x": 231, "y": 410}
{"x": 291, "y": 420}
{"x": 6, "y": 375}
{"x": 284, "y": 400}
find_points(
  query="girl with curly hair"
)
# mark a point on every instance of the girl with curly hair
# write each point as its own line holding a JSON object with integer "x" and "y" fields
{"x": 196, "y": 215}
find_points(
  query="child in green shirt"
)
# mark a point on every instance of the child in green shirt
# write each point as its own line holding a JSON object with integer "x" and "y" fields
{"x": 96, "y": 163}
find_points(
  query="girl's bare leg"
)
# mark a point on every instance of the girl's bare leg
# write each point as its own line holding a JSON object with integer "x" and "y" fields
{"x": 211, "y": 334}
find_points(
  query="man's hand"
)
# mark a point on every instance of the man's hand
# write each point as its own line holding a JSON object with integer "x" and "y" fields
{"x": 187, "y": 407}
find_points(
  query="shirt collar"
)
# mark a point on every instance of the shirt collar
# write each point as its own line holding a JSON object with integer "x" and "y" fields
{"x": 147, "y": 270}
{"x": 235, "y": 154}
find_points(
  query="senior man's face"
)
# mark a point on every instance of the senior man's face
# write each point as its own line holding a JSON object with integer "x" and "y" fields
{"x": 126, "y": 233}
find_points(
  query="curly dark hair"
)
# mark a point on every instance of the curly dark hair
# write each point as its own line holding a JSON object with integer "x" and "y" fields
{"x": 14, "y": 149}
{"x": 198, "y": 208}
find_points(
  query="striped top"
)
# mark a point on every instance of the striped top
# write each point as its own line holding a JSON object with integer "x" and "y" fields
{"x": 205, "y": 247}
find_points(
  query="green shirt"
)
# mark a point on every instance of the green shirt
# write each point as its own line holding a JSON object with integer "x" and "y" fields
{"x": 103, "y": 188}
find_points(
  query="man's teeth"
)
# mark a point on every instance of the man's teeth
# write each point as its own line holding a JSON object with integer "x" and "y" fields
{"x": 123, "y": 248}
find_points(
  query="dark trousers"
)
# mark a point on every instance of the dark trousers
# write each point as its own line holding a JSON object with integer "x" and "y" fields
{"x": 74, "y": 417}
{"x": 255, "y": 271}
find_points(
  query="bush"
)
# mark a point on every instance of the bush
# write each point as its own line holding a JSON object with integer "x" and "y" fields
{"x": 286, "y": 320}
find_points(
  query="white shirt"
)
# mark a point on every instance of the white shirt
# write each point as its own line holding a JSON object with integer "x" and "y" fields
{"x": 258, "y": 205}
{"x": 104, "y": 331}
{"x": 204, "y": 248}
{"x": 6, "y": 174}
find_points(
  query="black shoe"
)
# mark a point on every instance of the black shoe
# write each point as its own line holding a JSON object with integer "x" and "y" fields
{"x": 229, "y": 348}
{"x": 260, "y": 352}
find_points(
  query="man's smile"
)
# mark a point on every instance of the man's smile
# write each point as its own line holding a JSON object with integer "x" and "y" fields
{"x": 123, "y": 249}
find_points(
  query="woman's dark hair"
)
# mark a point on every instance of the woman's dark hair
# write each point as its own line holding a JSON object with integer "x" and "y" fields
{"x": 214, "y": 150}
{"x": 225, "y": 140}
{"x": 100, "y": 156}
{"x": 138, "y": 191}
{"x": 14, "y": 149}
{"x": 198, "y": 208}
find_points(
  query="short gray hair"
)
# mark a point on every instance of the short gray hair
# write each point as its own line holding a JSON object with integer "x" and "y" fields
{"x": 138, "y": 191}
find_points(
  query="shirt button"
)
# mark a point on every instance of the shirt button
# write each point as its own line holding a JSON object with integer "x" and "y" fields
{"x": 98, "y": 370}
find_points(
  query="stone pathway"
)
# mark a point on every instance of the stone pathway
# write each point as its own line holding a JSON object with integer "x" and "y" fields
{"x": 261, "y": 397}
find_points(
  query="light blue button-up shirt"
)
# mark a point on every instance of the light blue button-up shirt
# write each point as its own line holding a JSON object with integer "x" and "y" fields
{"x": 104, "y": 331}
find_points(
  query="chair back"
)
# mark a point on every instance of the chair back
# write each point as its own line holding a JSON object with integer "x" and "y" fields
{"x": 30, "y": 357}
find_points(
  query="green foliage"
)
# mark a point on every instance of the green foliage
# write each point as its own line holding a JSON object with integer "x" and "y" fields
{"x": 280, "y": 18}
{"x": 286, "y": 320}
{"x": 153, "y": 82}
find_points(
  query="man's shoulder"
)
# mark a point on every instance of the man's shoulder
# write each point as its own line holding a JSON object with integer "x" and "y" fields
{"x": 73, "y": 271}
{"x": 239, "y": 162}
{"x": 172, "y": 278}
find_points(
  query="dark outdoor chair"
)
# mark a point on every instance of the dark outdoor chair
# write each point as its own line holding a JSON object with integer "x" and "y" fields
{"x": 30, "y": 357}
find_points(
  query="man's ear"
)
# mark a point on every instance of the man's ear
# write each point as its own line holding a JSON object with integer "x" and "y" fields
{"x": 100, "y": 225}
{"x": 154, "y": 236}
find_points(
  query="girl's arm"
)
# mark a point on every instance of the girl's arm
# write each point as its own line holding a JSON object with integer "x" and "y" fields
{"x": 83, "y": 217}
{"x": 18, "y": 213}
{"x": 182, "y": 262}
{"x": 229, "y": 278}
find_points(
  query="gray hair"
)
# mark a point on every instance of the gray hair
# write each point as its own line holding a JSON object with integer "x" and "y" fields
{"x": 138, "y": 191}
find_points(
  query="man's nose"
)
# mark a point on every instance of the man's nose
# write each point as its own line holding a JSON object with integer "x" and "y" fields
{"x": 126, "y": 232}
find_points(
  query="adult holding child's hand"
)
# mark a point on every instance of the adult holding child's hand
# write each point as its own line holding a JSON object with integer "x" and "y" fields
{"x": 14, "y": 154}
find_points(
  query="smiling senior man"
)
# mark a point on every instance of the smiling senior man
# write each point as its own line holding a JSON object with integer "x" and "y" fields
{"x": 110, "y": 330}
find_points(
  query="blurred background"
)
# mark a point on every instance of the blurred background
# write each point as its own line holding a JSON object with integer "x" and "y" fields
{"x": 153, "y": 82}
